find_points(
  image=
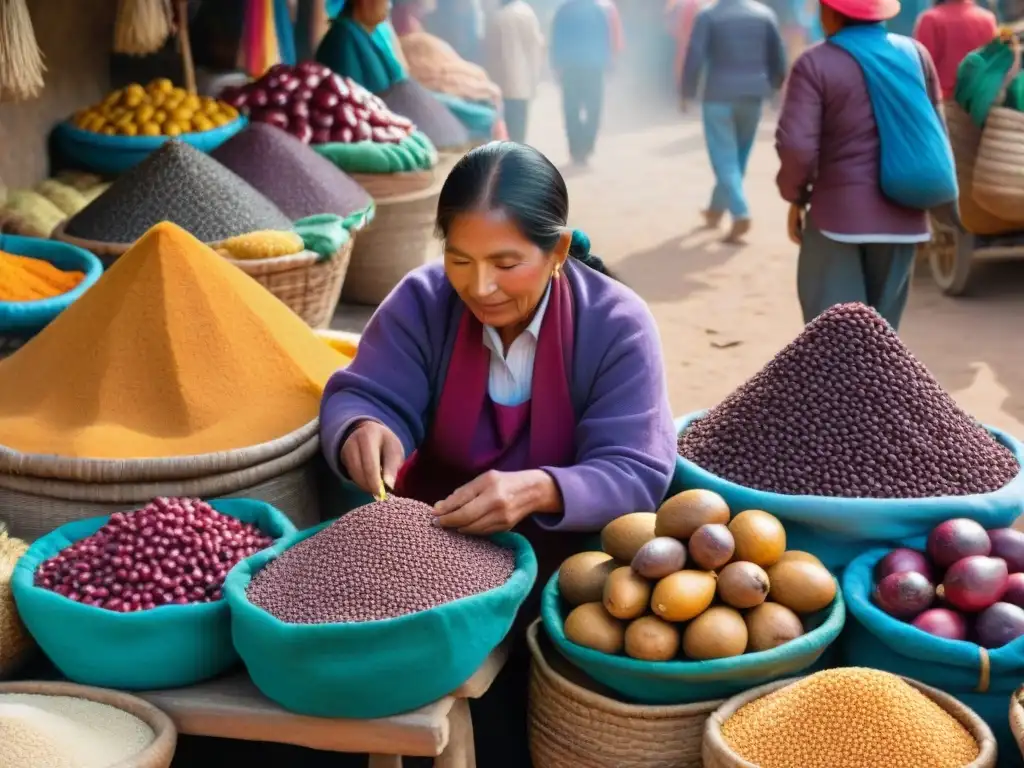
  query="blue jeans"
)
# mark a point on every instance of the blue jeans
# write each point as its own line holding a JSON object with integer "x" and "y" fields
{"x": 730, "y": 128}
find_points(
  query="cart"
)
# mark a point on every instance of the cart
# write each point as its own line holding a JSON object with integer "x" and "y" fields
{"x": 952, "y": 252}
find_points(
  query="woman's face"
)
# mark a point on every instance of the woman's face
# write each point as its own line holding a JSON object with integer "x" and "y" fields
{"x": 499, "y": 274}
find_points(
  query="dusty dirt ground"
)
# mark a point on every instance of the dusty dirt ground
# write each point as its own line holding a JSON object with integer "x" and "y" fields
{"x": 723, "y": 311}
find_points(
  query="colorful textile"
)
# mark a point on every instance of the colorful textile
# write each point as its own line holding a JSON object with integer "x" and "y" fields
{"x": 951, "y": 31}
{"x": 368, "y": 58}
{"x": 916, "y": 159}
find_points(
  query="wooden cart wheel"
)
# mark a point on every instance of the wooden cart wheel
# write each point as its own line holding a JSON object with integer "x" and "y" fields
{"x": 949, "y": 258}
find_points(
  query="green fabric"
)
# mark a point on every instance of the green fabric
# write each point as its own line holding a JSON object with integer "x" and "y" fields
{"x": 368, "y": 58}
{"x": 688, "y": 682}
{"x": 980, "y": 77}
{"x": 323, "y": 234}
{"x": 166, "y": 647}
{"x": 359, "y": 219}
{"x": 375, "y": 668}
{"x": 414, "y": 153}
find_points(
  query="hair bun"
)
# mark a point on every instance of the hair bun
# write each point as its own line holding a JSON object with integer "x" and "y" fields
{"x": 580, "y": 245}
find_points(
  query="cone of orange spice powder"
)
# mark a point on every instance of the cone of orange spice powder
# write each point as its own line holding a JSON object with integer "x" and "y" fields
{"x": 174, "y": 352}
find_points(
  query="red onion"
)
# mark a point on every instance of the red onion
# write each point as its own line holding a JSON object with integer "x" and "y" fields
{"x": 172, "y": 551}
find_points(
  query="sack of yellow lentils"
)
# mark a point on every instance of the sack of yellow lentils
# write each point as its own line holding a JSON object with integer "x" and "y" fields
{"x": 982, "y": 679}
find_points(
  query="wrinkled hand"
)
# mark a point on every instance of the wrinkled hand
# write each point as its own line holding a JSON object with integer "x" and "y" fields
{"x": 498, "y": 501}
{"x": 796, "y": 223}
{"x": 371, "y": 452}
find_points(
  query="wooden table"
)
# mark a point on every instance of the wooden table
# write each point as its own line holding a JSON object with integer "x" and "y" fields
{"x": 233, "y": 708}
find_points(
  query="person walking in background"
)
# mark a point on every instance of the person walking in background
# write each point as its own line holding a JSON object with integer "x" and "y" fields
{"x": 618, "y": 38}
{"x": 736, "y": 45}
{"x": 581, "y": 53}
{"x": 847, "y": 154}
{"x": 680, "y": 16}
{"x": 949, "y": 32}
{"x": 515, "y": 59}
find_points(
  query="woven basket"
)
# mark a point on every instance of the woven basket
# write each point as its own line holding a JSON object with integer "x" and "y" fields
{"x": 573, "y": 725}
{"x": 16, "y": 644}
{"x": 1017, "y": 718}
{"x": 999, "y": 168}
{"x": 160, "y": 751}
{"x": 965, "y": 137}
{"x": 309, "y": 286}
{"x": 400, "y": 239}
{"x": 286, "y": 473}
{"x": 718, "y": 754}
{"x": 385, "y": 185}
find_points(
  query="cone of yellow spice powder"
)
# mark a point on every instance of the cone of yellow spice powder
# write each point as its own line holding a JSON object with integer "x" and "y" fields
{"x": 24, "y": 278}
{"x": 850, "y": 717}
{"x": 174, "y": 352}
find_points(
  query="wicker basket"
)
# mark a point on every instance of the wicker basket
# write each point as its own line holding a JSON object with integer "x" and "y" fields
{"x": 1017, "y": 717}
{"x": 39, "y": 493}
{"x": 16, "y": 644}
{"x": 311, "y": 287}
{"x": 718, "y": 754}
{"x": 400, "y": 239}
{"x": 999, "y": 168}
{"x": 385, "y": 185}
{"x": 574, "y": 724}
{"x": 965, "y": 137}
{"x": 160, "y": 751}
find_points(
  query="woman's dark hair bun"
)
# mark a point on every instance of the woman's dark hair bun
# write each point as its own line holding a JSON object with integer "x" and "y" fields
{"x": 522, "y": 183}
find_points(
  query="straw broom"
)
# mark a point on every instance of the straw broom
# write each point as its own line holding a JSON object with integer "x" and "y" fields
{"x": 142, "y": 26}
{"x": 21, "y": 61}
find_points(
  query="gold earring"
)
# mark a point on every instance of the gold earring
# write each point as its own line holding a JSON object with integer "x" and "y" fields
{"x": 557, "y": 271}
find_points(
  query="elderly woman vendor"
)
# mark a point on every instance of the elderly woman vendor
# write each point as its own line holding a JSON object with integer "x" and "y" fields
{"x": 515, "y": 386}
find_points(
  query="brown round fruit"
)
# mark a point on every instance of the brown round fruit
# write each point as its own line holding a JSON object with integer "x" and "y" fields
{"x": 659, "y": 557}
{"x": 718, "y": 633}
{"x": 651, "y": 639}
{"x": 623, "y": 536}
{"x": 685, "y": 512}
{"x": 683, "y": 595}
{"x": 743, "y": 585}
{"x": 760, "y": 537}
{"x": 582, "y": 576}
{"x": 802, "y": 587}
{"x": 591, "y": 626}
{"x": 770, "y": 625}
{"x": 711, "y": 546}
{"x": 626, "y": 595}
{"x": 797, "y": 554}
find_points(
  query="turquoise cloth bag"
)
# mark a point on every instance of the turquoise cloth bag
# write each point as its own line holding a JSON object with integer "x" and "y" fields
{"x": 875, "y": 639}
{"x": 479, "y": 118}
{"x": 368, "y": 58}
{"x": 917, "y": 169}
{"x": 687, "y": 682}
{"x": 374, "y": 668}
{"x": 839, "y": 529}
{"x": 166, "y": 647}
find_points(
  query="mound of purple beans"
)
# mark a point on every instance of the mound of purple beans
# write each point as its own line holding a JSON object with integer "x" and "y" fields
{"x": 173, "y": 551}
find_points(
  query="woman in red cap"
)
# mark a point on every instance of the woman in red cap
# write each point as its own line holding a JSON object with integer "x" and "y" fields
{"x": 857, "y": 241}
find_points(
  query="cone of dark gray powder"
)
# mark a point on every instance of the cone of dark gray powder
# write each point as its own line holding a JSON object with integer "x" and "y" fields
{"x": 180, "y": 184}
{"x": 291, "y": 175}
{"x": 410, "y": 99}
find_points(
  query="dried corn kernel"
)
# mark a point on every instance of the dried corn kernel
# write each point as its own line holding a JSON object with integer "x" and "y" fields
{"x": 268, "y": 244}
{"x": 849, "y": 718}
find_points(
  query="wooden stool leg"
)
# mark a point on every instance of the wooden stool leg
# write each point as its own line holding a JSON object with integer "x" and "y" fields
{"x": 461, "y": 749}
{"x": 385, "y": 761}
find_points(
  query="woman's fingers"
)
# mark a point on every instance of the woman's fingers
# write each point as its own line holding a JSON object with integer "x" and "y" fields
{"x": 361, "y": 456}
{"x": 467, "y": 513}
{"x": 392, "y": 457}
{"x": 460, "y": 497}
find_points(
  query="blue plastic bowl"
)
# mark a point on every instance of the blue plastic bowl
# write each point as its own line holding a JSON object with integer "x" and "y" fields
{"x": 100, "y": 153}
{"x": 26, "y": 318}
{"x": 687, "y": 682}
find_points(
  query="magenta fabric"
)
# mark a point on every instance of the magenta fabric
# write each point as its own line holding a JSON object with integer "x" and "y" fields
{"x": 866, "y": 10}
{"x": 471, "y": 434}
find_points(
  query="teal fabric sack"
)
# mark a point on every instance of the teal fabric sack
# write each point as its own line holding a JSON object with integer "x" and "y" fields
{"x": 839, "y": 529}
{"x": 479, "y": 118}
{"x": 687, "y": 682}
{"x": 875, "y": 639}
{"x": 368, "y": 58}
{"x": 375, "y": 668}
{"x": 166, "y": 647}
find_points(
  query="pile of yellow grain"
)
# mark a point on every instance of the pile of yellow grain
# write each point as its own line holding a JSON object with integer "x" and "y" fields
{"x": 849, "y": 718}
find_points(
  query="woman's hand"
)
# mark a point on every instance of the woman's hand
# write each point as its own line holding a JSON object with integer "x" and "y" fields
{"x": 371, "y": 453}
{"x": 498, "y": 501}
{"x": 796, "y": 224}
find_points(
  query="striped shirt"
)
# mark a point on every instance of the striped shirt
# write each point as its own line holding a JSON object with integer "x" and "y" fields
{"x": 510, "y": 379}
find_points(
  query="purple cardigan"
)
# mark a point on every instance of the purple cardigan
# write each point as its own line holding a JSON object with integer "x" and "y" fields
{"x": 625, "y": 438}
{"x": 828, "y": 146}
